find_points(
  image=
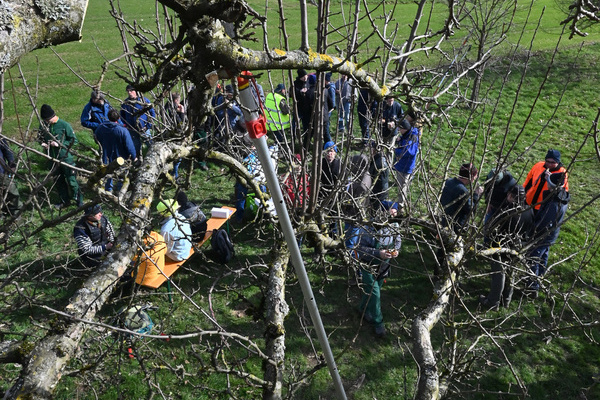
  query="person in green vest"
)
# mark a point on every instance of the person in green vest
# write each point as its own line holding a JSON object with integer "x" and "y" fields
{"x": 277, "y": 113}
{"x": 58, "y": 138}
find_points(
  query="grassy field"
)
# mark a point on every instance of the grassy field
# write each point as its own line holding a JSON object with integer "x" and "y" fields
{"x": 554, "y": 366}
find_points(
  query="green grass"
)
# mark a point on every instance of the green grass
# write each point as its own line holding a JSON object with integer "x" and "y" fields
{"x": 560, "y": 368}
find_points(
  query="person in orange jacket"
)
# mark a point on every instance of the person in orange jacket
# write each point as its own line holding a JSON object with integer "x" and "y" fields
{"x": 537, "y": 178}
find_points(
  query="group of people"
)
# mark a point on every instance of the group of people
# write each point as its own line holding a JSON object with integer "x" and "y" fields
{"x": 118, "y": 133}
{"x": 182, "y": 222}
{"x": 524, "y": 218}
{"x": 516, "y": 215}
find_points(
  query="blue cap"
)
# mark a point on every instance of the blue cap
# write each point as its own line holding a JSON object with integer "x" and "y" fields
{"x": 329, "y": 145}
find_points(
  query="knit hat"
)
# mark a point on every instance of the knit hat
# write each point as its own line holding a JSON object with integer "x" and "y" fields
{"x": 553, "y": 154}
{"x": 47, "y": 112}
{"x": 164, "y": 207}
{"x": 328, "y": 76}
{"x": 182, "y": 198}
{"x": 93, "y": 210}
{"x": 312, "y": 79}
{"x": 329, "y": 145}
{"x": 279, "y": 88}
{"x": 468, "y": 171}
{"x": 129, "y": 87}
{"x": 96, "y": 95}
{"x": 301, "y": 72}
{"x": 228, "y": 89}
{"x": 404, "y": 124}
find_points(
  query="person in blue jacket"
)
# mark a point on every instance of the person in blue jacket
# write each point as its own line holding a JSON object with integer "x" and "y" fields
{"x": 138, "y": 115}
{"x": 95, "y": 111}
{"x": 407, "y": 148}
{"x": 546, "y": 227}
{"x": 115, "y": 142}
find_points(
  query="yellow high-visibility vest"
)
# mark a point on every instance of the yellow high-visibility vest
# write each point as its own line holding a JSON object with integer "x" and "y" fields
{"x": 276, "y": 120}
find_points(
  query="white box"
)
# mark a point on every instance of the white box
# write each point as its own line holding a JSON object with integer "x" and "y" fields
{"x": 218, "y": 212}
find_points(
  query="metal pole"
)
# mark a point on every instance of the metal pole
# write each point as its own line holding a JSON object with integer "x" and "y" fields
{"x": 257, "y": 130}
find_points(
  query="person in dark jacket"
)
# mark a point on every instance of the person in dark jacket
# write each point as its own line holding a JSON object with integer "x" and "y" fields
{"x": 497, "y": 186}
{"x": 115, "y": 142}
{"x": 331, "y": 168}
{"x": 95, "y": 112}
{"x": 138, "y": 115}
{"x": 389, "y": 118}
{"x": 94, "y": 235}
{"x": 57, "y": 137}
{"x": 193, "y": 215}
{"x": 456, "y": 199}
{"x": 365, "y": 109}
{"x": 508, "y": 228}
{"x": 10, "y": 201}
{"x": 374, "y": 249}
{"x": 546, "y": 227}
{"x": 304, "y": 98}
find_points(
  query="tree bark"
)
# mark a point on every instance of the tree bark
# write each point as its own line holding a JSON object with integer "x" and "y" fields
{"x": 277, "y": 310}
{"x": 29, "y": 25}
{"x": 428, "y": 387}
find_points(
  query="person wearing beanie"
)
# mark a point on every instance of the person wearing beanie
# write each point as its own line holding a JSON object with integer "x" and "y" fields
{"x": 94, "y": 235}
{"x": 536, "y": 181}
{"x": 277, "y": 113}
{"x": 138, "y": 115}
{"x": 407, "y": 149}
{"x": 175, "y": 230}
{"x": 508, "y": 227}
{"x": 95, "y": 111}
{"x": 456, "y": 199}
{"x": 331, "y": 170}
{"x": 115, "y": 141}
{"x": 58, "y": 138}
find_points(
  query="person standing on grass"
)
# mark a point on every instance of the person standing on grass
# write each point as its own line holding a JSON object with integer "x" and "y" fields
{"x": 57, "y": 137}
{"x": 115, "y": 142}
{"x": 331, "y": 169}
{"x": 277, "y": 113}
{"x": 95, "y": 112}
{"x": 389, "y": 118}
{"x": 94, "y": 235}
{"x": 407, "y": 148}
{"x": 508, "y": 227}
{"x": 138, "y": 115}
{"x": 374, "y": 249}
{"x": 537, "y": 178}
{"x": 10, "y": 201}
{"x": 546, "y": 226}
{"x": 456, "y": 199}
